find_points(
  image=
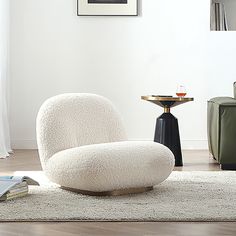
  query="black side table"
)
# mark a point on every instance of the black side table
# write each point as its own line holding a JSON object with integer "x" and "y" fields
{"x": 167, "y": 129}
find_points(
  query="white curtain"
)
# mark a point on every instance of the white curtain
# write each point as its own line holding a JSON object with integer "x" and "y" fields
{"x": 218, "y": 17}
{"x": 5, "y": 148}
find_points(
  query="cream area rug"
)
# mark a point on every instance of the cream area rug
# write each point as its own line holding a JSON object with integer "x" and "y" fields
{"x": 184, "y": 196}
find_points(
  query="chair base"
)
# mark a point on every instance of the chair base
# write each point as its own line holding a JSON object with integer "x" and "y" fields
{"x": 228, "y": 166}
{"x": 111, "y": 193}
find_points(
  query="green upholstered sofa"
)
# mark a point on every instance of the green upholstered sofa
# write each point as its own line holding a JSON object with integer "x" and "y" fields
{"x": 221, "y": 130}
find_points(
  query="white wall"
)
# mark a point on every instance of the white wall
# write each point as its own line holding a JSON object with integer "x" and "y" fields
{"x": 54, "y": 51}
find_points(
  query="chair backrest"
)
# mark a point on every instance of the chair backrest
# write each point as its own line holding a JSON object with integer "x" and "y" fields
{"x": 72, "y": 120}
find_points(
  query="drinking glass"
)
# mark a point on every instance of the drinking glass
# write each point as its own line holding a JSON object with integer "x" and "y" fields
{"x": 181, "y": 91}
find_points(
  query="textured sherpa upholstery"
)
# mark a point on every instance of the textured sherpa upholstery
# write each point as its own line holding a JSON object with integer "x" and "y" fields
{"x": 83, "y": 145}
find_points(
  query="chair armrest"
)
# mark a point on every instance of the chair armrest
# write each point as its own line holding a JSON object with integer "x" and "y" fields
{"x": 234, "y": 89}
{"x": 221, "y": 129}
{"x": 223, "y": 101}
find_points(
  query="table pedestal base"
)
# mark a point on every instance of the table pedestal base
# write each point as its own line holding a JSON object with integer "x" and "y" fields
{"x": 167, "y": 133}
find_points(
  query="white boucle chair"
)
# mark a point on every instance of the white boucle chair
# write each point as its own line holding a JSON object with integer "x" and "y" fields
{"x": 83, "y": 147}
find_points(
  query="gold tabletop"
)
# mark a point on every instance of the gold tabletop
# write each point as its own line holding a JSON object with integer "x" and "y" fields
{"x": 166, "y": 102}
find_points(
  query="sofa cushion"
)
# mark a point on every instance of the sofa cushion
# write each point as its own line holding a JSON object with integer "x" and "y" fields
{"x": 111, "y": 166}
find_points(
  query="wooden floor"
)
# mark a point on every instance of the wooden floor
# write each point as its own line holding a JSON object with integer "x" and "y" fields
{"x": 26, "y": 160}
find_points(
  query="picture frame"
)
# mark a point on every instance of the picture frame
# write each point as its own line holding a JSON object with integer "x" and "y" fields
{"x": 107, "y": 7}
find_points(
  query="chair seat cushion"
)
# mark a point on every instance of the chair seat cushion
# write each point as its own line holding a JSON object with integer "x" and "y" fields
{"x": 111, "y": 166}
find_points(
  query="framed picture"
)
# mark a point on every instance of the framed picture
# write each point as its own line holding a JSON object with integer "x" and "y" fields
{"x": 107, "y": 7}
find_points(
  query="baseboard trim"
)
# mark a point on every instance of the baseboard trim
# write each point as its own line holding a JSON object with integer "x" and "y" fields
{"x": 24, "y": 144}
{"x": 194, "y": 144}
{"x": 185, "y": 144}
